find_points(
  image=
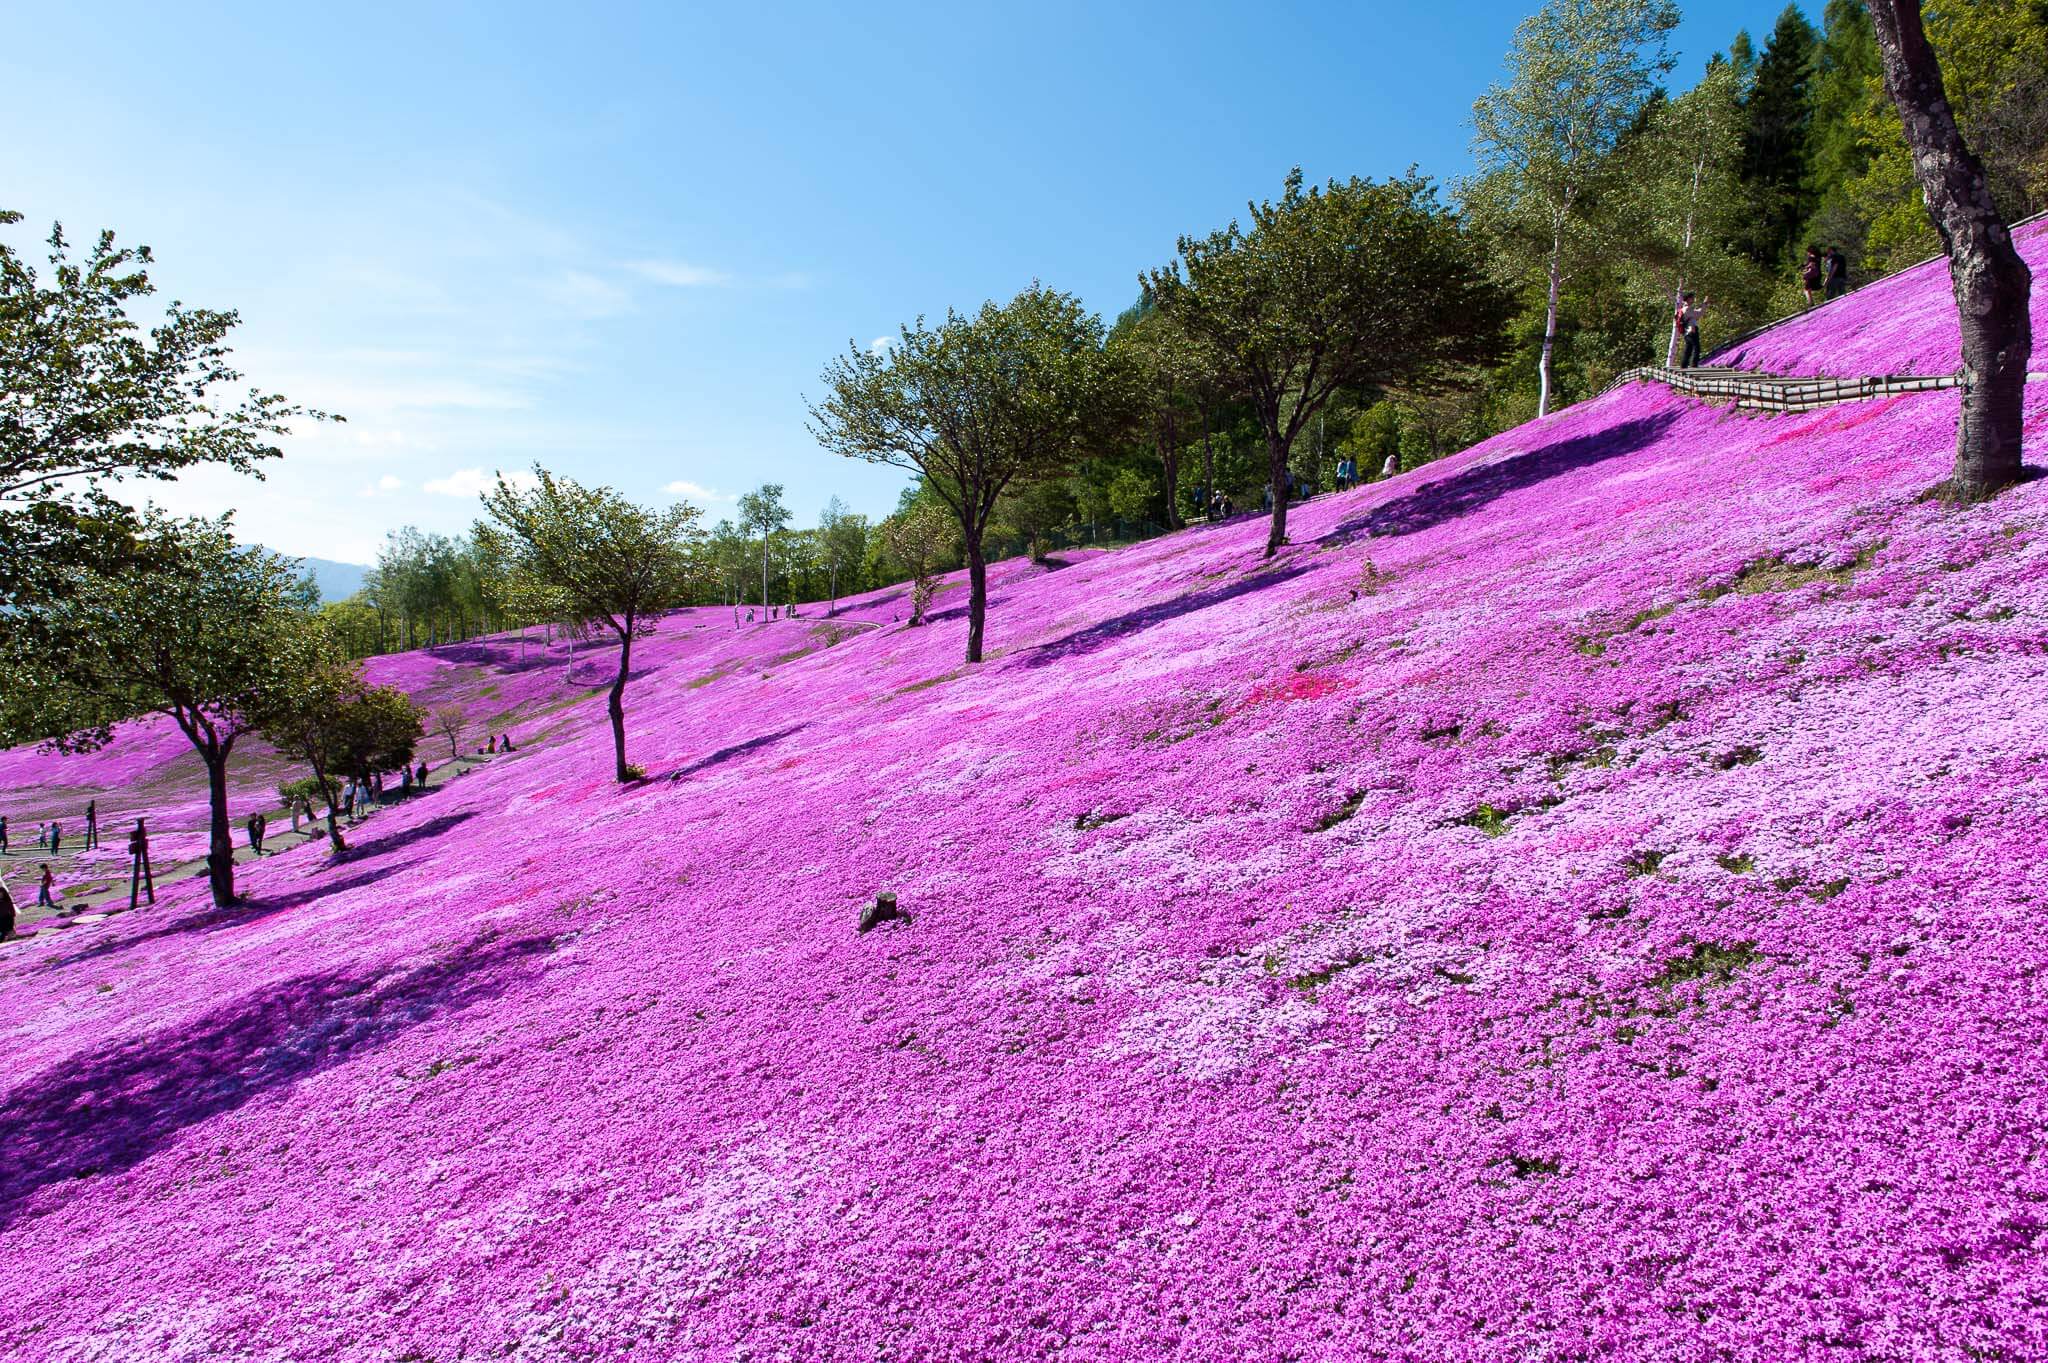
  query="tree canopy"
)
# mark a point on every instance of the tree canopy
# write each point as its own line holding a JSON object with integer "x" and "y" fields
{"x": 607, "y": 561}
{"x": 974, "y": 405}
{"x": 1356, "y": 283}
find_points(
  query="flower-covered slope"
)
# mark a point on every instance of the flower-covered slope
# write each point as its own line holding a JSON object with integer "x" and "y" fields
{"x": 1885, "y": 327}
{"x": 1583, "y": 899}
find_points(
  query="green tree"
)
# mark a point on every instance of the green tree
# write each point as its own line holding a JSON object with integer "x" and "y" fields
{"x": 1579, "y": 74}
{"x": 182, "y": 622}
{"x": 89, "y": 398}
{"x": 610, "y": 562}
{"x": 1993, "y": 286}
{"x": 324, "y": 714}
{"x": 975, "y": 405}
{"x": 843, "y": 545}
{"x": 1680, "y": 199}
{"x": 1993, "y": 56}
{"x": 1776, "y": 142}
{"x": 1846, "y": 83}
{"x": 920, "y": 538}
{"x": 1167, "y": 371}
{"x": 1353, "y": 284}
{"x": 763, "y": 510}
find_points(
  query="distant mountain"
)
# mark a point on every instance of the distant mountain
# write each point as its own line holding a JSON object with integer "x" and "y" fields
{"x": 337, "y": 581}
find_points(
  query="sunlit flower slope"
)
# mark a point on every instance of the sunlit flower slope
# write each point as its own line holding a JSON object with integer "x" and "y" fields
{"x": 1585, "y": 899}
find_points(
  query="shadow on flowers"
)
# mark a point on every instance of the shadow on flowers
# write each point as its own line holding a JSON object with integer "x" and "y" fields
{"x": 1103, "y": 632}
{"x": 104, "y": 1112}
{"x": 212, "y": 919}
{"x": 387, "y": 842}
{"x": 1433, "y": 504}
{"x": 497, "y": 657}
{"x": 726, "y": 754}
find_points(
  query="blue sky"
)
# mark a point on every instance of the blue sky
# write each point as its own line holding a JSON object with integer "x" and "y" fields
{"x": 623, "y": 240}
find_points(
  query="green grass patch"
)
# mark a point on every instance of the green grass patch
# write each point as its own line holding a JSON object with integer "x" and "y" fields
{"x": 1644, "y": 863}
{"x": 1709, "y": 962}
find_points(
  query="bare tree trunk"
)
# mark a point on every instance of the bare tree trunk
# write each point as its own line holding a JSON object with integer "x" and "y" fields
{"x": 977, "y": 594}
{"x": 1169, "y": 466}
{"x": 220, "y": 840}
{"x": 764, "y": 572}
{"x": 1992, "y": 284}
{"x": 1556, "y": 274}
{"x": 1276, "y": 474}
{"x": 615, "y": 704}
{"x": 1692, "y": 205}
{"x": 333, "y": 818}
{"x": 1208, "y": 465}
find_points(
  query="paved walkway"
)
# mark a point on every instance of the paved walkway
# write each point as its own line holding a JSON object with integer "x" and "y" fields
{"x": 105, "y": 887}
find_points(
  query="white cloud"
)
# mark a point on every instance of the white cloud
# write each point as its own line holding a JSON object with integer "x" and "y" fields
{"x": 680, "y": 274}
{"x": 689, "y": 491}
{"x": 585, "y": 294}
{"x": 474, "y": 482}
{"x": 384, "y": 486}
{"x": 881, "y": 345}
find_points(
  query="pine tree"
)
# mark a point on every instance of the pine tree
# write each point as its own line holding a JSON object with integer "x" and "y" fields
{"x": 1775, "y": 145}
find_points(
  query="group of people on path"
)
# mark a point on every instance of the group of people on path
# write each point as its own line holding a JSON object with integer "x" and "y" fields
{"x": 141, "y": 879}
{"x": 256, "y": 828}
{"x": 788, "y": 612}
{"x": 50, "y": 836}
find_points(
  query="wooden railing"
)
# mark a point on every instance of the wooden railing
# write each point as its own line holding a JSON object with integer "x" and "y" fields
{"x": 1758, "y": 392}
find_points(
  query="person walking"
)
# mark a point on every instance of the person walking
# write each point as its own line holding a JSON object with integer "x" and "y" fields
{"x": 3, "y": 835}
{"x": 46, "y": 889}
{"x": 420, "y": 778}
{"x": 92, "y": 824}
{"x": 140, "y": 881}
{"x": 1687, "y": 320}
{"x": 56, "y": 837}
{"x": 1836, "y": 267}
{"x": 1812, "y": 274}
{"x": 254, "y": 826}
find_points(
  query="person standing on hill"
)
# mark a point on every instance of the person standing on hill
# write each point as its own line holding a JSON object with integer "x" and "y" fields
{"x": 92, "y": 824}
{"x": 46, "y": 889}
{"x": 1836, "y": 268}
{"x": 1812, "y": 274}
{"x": 6, "y": 913}
{"x": 56, "y": 837}
{"x": 1687, "y": 320}
{"x": 3, "y": 835}
{"x": 140, "y": 881}
{"x": 256, "y": 825}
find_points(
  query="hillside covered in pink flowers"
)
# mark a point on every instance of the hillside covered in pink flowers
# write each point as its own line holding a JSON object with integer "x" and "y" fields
{"x": 1587, "y": 898}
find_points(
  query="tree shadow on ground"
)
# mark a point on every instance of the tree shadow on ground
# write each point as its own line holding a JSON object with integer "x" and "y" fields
{"x": 726, "y": 754}
{"x": 212, "y": 918}
{"x": 1435, "y": 503}
{"x": 1104, "y": 632}
{"x": 498, "y": 658}
{"x": 106, "y": 1111}
{"x": 405, "y": 837}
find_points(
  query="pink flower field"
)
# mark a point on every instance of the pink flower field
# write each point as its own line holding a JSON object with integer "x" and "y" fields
{"x": 1587, "y": 898}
